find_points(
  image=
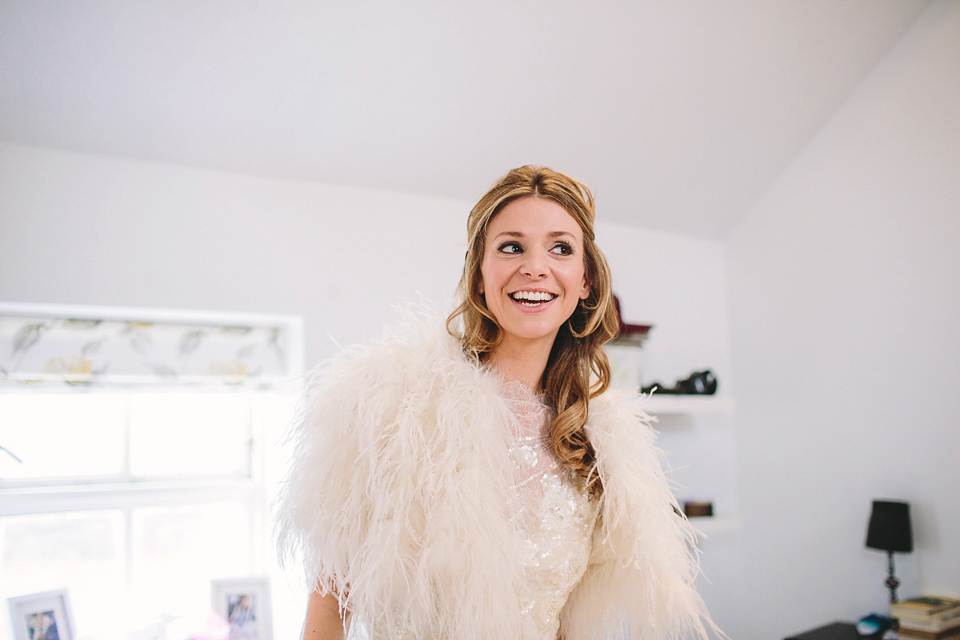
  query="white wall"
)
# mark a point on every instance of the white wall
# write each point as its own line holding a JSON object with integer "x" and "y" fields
{"x": 96, "y": 230}
{"x": 845, "y": 316}
{"x": 83, "y": 229}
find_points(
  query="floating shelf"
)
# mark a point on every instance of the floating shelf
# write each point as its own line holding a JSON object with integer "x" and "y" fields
{"x": 673, "y": 404}
{"x": 709, "y": 526}
{"x": 628, "y": 340}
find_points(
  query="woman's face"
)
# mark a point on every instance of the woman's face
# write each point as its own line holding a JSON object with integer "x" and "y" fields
{"x": 533, "y": 273}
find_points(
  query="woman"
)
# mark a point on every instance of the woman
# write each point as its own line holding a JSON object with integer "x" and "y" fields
{"x": 482, "y": 482}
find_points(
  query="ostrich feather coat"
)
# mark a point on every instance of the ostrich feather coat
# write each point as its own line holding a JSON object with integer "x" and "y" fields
{"x": 395, "y": 502}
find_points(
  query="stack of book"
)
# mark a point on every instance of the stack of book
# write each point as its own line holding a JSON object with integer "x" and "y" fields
{"x": 928, "y": 617}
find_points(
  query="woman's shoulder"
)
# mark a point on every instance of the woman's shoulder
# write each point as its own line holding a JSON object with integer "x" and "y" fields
{"x": 402, "y": 429}
{"x": 416, "y": 375}
{"x": 619, "y": 409}
{"x": 415, "y": 352}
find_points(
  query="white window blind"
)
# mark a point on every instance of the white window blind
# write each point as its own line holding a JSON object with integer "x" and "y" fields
{"x": 43, "y": 345}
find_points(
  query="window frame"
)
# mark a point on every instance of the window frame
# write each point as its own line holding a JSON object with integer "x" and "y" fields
{"x": 125, "y": 492}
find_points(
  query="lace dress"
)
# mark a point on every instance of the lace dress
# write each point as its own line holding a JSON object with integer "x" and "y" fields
{"x": 552, "y": 515}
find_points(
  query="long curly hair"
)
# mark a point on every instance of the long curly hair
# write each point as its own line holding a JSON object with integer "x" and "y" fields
{"x": 578, "y": 368}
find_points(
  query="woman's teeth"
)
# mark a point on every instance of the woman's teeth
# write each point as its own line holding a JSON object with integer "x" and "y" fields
{"x": 532, "y": 298}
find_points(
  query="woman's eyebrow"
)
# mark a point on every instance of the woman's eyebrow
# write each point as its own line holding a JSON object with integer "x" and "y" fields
{"x": 520, "y": 234}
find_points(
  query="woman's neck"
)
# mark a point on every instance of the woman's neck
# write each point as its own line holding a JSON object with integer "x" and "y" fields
{"x": 523, "y": 363}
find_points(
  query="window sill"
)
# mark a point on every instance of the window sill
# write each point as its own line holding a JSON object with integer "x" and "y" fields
{"x": 84, "y": 497}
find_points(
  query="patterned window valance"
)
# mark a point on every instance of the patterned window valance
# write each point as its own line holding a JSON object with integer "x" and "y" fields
{"x": 50, "y": 345}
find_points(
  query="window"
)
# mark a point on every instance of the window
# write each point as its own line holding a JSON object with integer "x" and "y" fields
{"x": 138, "y": 484}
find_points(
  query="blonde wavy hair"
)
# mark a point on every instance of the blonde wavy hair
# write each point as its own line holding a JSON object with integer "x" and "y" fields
{"x": 578, "y": 368}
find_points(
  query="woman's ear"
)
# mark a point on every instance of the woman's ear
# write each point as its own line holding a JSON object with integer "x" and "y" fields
{"x": 585, "y": 289}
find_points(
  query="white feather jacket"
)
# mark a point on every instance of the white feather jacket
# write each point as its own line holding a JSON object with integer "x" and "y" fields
{"x": 396, "y": 501}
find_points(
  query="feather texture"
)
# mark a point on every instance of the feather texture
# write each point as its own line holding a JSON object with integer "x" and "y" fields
{"x": 396, "y": 502}
{"x": 640, "y": 581}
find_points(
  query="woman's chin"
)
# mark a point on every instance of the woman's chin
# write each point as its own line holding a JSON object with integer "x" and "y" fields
{"x": 530, "y": 334}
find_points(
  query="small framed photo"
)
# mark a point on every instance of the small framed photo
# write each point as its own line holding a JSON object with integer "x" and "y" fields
{"x": 42, "y": 616}
{"x": 245, "y": 604}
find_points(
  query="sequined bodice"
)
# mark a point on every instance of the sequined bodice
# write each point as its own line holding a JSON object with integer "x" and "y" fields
{"x": 551, "y": 515}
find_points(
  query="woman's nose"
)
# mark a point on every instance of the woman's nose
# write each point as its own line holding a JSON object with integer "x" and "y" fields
{"x": 534, "y": 265}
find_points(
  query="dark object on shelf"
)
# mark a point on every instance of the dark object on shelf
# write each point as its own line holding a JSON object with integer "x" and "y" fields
{"x": 698, "y": 509}
{"x": 834, "y": 631}
{"x": 633, "y": 334}
{"x": 699, "y": 383}
{"x": 890, "y": 531}
{"x": 874, "y": 623}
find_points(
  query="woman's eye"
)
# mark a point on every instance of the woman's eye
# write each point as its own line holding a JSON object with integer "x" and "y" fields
{"x": 562, "y": 248}
{"x": 509, "y": 247}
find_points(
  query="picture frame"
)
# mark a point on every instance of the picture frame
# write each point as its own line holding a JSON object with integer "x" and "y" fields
{"x": 42, "y": 616}
{"x": 245, "y": 605}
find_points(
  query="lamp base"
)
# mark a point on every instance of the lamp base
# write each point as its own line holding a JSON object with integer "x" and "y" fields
{"x": 891, "y": 582}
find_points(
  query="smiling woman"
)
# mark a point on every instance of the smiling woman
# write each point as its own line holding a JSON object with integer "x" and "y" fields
{"x": 481, "y": 482}
{"x": 555, "y": 216}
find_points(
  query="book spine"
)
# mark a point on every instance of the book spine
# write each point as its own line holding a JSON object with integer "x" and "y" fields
{"x": 919, "y": 634}
{"x": 946, "y": 616}
{"x": 939, "y": 627}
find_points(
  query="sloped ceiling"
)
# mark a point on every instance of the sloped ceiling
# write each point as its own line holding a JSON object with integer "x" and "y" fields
{"x": 678, "y": 113}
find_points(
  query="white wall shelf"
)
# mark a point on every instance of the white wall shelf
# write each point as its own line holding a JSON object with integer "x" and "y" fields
{"x": 675, "y": 404}
{"x": 708, "y": 526}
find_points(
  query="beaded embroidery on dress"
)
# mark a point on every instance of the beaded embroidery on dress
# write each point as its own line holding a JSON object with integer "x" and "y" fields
{"x": 553, "y": 517}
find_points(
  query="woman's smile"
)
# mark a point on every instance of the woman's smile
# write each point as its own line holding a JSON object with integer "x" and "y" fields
{"x": 533, "y": 300}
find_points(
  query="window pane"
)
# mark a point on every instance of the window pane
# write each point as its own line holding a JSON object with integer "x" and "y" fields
{"x": 83, "y": 552}
{"x": 178, "y": 550}
{"x": 189, "y": 433}
{"x": 62, "y": 434}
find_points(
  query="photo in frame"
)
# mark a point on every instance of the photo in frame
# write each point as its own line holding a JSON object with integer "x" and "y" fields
{"x": 245, "y": 604}
{"x": 42, "y": 616}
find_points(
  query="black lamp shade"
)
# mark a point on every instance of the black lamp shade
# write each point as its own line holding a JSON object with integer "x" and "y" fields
{"x": 889, "y": 528}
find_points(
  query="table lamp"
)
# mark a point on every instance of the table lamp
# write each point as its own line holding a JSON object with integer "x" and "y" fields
{"x": 890, "y": 531}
